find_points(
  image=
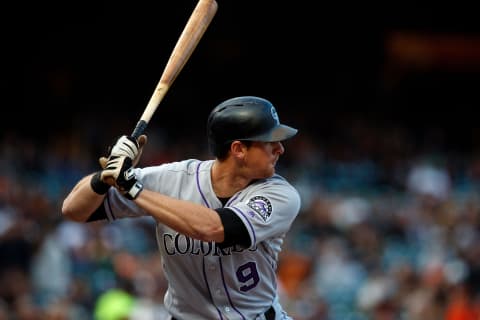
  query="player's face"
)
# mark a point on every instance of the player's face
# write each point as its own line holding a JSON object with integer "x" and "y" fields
{"x": 262, "y": 157}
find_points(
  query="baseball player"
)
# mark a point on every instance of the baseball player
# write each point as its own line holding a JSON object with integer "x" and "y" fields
{"x": 220, "y": 223}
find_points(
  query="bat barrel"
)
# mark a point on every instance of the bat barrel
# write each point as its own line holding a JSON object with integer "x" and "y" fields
{"x": 188, "y": 40}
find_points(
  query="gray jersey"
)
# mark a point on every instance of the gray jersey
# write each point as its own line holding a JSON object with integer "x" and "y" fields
{"x": 205, "y": 281}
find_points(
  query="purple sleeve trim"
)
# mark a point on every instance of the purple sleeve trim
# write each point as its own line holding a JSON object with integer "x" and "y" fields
{"x": 198, "y": 185}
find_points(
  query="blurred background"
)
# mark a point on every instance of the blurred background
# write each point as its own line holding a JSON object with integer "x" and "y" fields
{"x": 387, "y": 159}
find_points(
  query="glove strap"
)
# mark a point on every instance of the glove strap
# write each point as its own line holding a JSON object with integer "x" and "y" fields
{"x": 98, "y": 185}
{"x": 134, "y": 190}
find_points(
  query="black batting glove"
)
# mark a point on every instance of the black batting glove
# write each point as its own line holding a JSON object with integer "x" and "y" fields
{"x": 120, "y": 173}
{"x": 128, "y": 184}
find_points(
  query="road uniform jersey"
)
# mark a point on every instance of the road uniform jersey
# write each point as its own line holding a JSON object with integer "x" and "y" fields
{"x": 205, "y": 280}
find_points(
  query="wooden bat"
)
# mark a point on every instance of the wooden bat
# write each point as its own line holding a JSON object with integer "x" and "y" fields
{"x": 196, "y": 25}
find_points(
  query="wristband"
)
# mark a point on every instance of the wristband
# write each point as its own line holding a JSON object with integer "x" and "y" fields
{"x": 98, "y": 186}
{"x": 134, "y": 191}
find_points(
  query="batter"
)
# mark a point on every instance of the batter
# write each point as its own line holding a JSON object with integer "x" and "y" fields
{"x": 220, "y": 223}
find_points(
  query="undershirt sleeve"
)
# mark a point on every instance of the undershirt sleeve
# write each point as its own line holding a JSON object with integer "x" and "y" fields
{"x": 235, "y": 232}
{"x": 98, "y": 214}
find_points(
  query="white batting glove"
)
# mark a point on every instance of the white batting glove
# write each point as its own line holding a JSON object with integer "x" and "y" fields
{"x": 126, "y": 146}
{"x": 130, "y": 147}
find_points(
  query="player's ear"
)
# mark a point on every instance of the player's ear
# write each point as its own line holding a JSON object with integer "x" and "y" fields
{"x": 238, "y": 149}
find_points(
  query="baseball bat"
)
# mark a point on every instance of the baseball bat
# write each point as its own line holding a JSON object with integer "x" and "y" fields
{"x": 193, "y": 31}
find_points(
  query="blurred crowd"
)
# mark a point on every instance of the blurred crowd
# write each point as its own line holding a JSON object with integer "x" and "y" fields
{"x": 389, "y": 230}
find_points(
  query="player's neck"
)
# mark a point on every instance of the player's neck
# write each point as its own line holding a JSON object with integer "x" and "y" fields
{"x": 225, "y": 179}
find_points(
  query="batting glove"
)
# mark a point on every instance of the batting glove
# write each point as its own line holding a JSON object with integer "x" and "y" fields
{"x": 126, "y": 146}
{"x": 120, "y": 173}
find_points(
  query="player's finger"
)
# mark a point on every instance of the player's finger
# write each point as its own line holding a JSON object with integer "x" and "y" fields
{"x": 142, "y": 140}
{"x": 103, "y": 162}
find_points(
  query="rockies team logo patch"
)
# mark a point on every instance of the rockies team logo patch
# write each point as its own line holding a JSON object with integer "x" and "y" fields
{"x": 261, "y": 205}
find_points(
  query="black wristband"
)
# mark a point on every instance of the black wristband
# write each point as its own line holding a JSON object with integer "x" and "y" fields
{"x": 98, "y": 185}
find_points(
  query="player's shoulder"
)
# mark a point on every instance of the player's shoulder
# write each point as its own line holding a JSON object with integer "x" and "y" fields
{"x": 278, "y": 179}
{"x": 274, "y": 189}
{"x": 276, "y": 182}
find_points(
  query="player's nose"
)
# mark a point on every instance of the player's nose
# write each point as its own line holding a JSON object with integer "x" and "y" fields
{"x": 278, "y": 148}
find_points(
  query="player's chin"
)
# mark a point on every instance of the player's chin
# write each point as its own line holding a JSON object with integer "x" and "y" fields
{"x": 264, "y": 174}
{"x": 270, "y": 172}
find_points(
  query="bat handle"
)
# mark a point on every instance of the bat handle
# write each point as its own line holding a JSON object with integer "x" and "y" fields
{"x": 139, "y": 128}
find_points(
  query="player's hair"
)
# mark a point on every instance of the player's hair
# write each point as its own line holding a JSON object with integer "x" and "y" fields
{"x": 222, "y": 151}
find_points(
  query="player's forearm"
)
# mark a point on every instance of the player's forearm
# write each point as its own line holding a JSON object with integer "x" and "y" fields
{"x": 186, "y": 217}
{"x": 81, "y": 202}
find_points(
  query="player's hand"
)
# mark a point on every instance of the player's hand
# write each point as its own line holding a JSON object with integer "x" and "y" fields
{"x": 114, "y": 168}
{"x": 126, "y": 146}
{"x": 119, "y": 172}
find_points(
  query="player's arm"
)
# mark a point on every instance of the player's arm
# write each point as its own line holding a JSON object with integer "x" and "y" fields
{"x": 199, "y": 222}
{"x": 84, "y": 199}
{"x": 191, "y": 219}
{"x": 84, "y": 202}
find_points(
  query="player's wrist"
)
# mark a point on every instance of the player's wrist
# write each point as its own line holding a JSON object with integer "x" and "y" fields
{"x": 134, "y": 190}
{"x": 128, "y": 184}
{"x": 97, "y": 185}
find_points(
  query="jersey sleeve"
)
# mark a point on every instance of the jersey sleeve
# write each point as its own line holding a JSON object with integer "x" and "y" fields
{"x": 268, "y": 209}
{"x": 116, "y": 206}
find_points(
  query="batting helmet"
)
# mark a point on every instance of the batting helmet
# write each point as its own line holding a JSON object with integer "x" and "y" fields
{"x": 245, "y": 118}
